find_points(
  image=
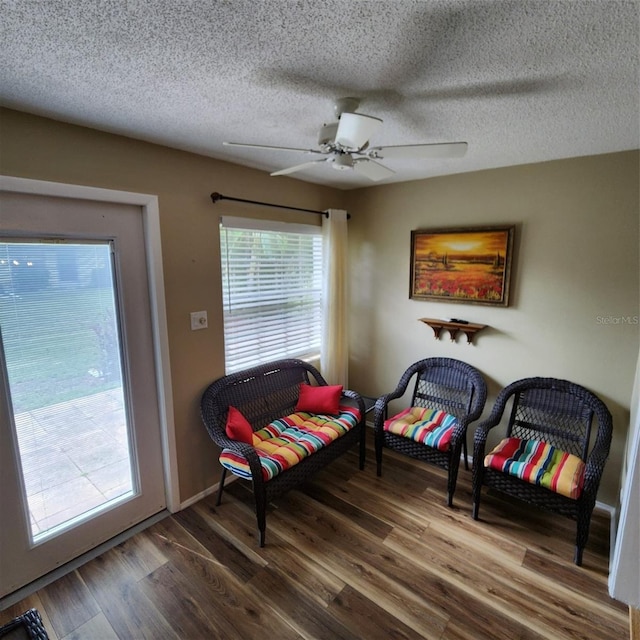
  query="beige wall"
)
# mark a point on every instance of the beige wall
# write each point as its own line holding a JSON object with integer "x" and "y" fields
{"x": 576, "y": 267}
{"x": 43, "y": 149}
{"x": 576, "y": 260}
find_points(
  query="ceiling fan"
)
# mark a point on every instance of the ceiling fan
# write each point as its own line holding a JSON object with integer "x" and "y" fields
{"x": 344, "y": 144}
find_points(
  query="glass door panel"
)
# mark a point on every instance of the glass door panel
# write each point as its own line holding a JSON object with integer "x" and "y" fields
{"x": 63, "y": 356}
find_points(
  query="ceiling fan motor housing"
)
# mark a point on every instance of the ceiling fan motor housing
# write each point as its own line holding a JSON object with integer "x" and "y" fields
{"x": 342, "y": 162}
{"x": 328, "y": 133}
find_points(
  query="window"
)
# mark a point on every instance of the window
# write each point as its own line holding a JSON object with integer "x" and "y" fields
{"x": 272, "y": 289}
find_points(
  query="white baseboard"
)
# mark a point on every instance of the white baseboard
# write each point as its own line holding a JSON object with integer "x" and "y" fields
{"x": 613, "y": 523}
{"x": 199, "y": 496}
{"x": 207, "y": 492}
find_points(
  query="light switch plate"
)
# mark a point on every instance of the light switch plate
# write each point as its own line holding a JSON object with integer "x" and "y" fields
{"x": 198, "y": 320}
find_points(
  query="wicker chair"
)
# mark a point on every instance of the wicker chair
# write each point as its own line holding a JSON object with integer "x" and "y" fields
{"x": 263, "y": 394}
{"x": 443, "y": 384}
{"x": 558, "y": 413}
{"x": 27, "y": 626}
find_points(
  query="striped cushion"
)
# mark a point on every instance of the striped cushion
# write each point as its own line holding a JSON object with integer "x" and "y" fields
{"x": 286, "y": 441}
{"x": 428, "y": 426}
{"x": 539, "y": 463}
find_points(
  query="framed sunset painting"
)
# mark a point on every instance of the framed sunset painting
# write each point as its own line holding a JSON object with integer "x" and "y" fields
{"x": 462, "y": 265}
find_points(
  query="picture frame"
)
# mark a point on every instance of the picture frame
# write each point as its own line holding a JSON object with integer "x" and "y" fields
{"x": 469, "y": 265}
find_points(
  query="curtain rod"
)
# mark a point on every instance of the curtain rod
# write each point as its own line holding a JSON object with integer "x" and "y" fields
{"x": 215, "y": 197}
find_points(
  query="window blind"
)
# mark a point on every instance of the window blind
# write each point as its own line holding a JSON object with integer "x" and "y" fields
{"x": 272, "y": 291}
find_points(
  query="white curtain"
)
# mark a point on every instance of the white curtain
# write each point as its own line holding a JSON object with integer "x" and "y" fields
{"x": 334, "y": 357}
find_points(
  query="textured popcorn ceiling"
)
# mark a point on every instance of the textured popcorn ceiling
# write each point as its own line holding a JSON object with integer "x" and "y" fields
{"x": 521, "y": 81}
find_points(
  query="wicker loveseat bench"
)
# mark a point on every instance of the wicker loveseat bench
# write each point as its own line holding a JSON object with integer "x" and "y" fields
{"x": 279, "y": 423}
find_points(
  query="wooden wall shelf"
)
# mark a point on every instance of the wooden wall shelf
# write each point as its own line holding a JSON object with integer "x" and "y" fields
{"x": 453, "y": 327}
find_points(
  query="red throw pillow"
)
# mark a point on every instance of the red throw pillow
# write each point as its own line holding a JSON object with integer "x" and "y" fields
{"x": 323, "y": 399}
{"x": 238, "y": 427}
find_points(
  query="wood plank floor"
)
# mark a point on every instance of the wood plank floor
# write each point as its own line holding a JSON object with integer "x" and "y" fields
{"x": 351, "y": 556}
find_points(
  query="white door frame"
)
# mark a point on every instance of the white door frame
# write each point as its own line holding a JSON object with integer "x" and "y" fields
{"x": 151, "y": 218}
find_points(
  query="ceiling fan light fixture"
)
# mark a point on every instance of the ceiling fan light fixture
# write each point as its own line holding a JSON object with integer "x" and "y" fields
{"x": 356, "y": 129}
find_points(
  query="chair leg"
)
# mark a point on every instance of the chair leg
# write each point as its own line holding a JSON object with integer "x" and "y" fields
{"x": 476, "y": 489}
{"x": 466, "y": 454}
{"x": 378, "y": 456}
{"x": 454, "y": 464}
{"x": 221, "y": 487}
{"x": 261, "y": 509}
{"x": 582, "y": 532}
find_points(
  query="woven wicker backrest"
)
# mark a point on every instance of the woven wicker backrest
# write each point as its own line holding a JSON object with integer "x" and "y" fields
{"x": 444, "y": 387}
{"x": 556, "y": 416}
{"x": 262, "y": 393}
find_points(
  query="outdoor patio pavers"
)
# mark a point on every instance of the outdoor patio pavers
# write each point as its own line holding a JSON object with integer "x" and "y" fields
{"x": 74, "y": 457}
{"x": 57, "y": 469}
{"x": 112, "y": 479}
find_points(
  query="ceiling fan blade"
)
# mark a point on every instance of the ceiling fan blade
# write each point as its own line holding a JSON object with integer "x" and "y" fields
{"x": 297, "y": 167}
{"x": 268, "y": 147}
{"x": 371, "y": 169}
{"x": 421, "y": 151}
{"x": 356, "y": 129}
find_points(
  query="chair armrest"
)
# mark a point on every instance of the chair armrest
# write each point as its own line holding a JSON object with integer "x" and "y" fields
{"x": 217, "y": 431}
{"x": 480, "y": 438}
{"x": 459, "y": 432}
{"x": 475, "y": 411}
{"x": 494, "y": 419}
{"x": 600, "y": 452}
{"x": 380, "y": 411}
{"x": 479, "y": 397}
{"x": 27, "y": 625}
{"x": 354, "y": 395}
{"x": 483, "y": 428}
{"x": 241, "y": 448}
{"x": 380, "y": 408}
{"x": 381, "y": 405}
{"x": 593, "y": 475}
